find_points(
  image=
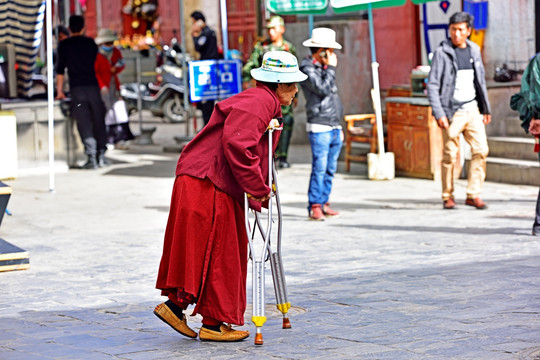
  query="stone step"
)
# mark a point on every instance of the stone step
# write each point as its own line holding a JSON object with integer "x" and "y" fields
{"x": 519, "y": 148}
{"x": 513, "y": 127}
{"x": 512, "y": 171}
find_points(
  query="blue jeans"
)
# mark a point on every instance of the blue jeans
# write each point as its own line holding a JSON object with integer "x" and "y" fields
{"x": 325, "y": 149}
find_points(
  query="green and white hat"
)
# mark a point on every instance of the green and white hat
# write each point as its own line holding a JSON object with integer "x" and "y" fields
{"x": 279, "y": 67}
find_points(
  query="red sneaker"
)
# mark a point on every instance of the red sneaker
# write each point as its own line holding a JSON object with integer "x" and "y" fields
{"x": 316, "y": 213}
{"x": 477, "y": 203}
{"x": 449, "y": 204}
{"x": 329, "y": 212}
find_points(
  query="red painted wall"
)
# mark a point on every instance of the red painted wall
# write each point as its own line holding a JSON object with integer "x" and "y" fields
{"x": 110, "y": 17}
{"x": 169, "y": 13}
{"x": 397, "y": 43}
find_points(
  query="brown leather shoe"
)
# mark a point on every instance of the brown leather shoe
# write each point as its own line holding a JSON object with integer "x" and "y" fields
{"x": 226, "y": 333}
{"x": 449, "y": 204}
{"x": 329, "y": 212}
{"x": 316, "y": 213}
{"x": 163, "y": 312}
{"x": 477, "y": 203}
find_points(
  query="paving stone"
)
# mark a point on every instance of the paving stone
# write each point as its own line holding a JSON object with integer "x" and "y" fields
{"x": 394, "y": 277}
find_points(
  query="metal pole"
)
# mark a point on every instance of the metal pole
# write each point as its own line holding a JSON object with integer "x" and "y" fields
{"x": 184, "y": 65}
{"x": 310, "y": 24}
{"x": 376, "y": 89}
{"x": 371, "y": 34}
{"x": 57, "y": 16}
{"x": 50, "y": 92}
{"x": 99, "y": 21}
{"x": 66, "y": 11}
{"x": 224, "y": 31}
{"x": 139, "y": 94}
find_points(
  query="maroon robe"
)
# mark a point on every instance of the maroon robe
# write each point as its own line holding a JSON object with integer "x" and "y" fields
{"x": 205, "y": 248}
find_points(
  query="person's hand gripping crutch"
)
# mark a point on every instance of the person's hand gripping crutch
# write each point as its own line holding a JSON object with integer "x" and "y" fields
{"x": 272, "y": 126}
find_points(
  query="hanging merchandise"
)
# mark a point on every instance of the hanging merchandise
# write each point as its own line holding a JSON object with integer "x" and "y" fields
{"x": 143, "y": 12}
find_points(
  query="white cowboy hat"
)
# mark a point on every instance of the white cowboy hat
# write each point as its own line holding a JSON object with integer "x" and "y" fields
{"x": 279, "y": 67}
{"x": 105, "y": 35}
{"x": 322, "y": 38}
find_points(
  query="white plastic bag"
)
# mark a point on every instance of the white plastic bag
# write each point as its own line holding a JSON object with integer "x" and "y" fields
{"x": 118, "y": 114}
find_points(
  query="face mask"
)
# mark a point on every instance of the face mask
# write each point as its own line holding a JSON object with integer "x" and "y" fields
{"x": 106, "y": 48}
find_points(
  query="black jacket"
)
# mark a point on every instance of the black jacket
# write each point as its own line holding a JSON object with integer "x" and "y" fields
{"x": 323, "y": 105}
{"x": 206, "y": 44}
{"x": 78, "y": 54}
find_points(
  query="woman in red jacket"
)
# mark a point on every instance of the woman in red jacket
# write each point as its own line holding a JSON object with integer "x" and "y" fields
{"x": 204, "y": 259}
{"x": 109, "y": 63}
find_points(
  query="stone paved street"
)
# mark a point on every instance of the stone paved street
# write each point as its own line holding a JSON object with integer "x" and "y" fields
{"x": 394, "y": 277}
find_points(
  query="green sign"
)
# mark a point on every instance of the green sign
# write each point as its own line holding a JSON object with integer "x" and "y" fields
{"x": 311, "y": 7}
{"x": 297, "y": 6}
{"x": 343, "y": 6}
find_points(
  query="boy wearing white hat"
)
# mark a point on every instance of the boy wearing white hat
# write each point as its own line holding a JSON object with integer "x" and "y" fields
{"x": 324, "y": 113}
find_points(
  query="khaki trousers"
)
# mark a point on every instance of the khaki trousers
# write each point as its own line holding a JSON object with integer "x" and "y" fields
{"x": 470, "y": 124}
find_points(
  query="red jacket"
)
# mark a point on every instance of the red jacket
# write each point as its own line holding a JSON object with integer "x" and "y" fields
{"x": 102, "y": 67}
{"x": 232, "y": 149}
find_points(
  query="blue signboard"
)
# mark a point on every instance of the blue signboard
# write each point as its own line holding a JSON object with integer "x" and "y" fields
{"x": 214, "y": 79}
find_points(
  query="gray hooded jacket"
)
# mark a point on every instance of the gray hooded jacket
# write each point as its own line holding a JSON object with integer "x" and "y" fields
{"x": 442, "y": 81}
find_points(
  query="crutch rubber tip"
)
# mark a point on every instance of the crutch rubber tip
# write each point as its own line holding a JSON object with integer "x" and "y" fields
{"x": 286, "y": 323}
{"x": 258, "y": 339}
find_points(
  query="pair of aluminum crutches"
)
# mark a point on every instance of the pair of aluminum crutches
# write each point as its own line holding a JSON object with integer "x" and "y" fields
{"x": 258, "y": 262}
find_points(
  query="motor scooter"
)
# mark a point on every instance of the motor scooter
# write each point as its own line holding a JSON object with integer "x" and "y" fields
{"x": 165, "y": 97}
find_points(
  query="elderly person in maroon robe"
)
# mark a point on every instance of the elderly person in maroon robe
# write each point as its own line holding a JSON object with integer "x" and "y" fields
{"x": 205, "y": 250}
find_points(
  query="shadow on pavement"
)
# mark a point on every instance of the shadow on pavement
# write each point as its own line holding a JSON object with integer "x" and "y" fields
{"x": 164, "y": 169}
{"x": 438, "y": 229}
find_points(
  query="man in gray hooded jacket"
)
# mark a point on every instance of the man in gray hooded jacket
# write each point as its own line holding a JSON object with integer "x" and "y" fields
{"x": 458, "y": 97}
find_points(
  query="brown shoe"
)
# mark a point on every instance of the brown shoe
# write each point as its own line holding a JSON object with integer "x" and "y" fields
{"x": 163, "y": 312}
{"x": 477, "y": 203}
{"x": 449, "y": 204}
{"x": 329, "y": 212}
{"x": 316, "y": 213}
{"x": 225, "y": 333}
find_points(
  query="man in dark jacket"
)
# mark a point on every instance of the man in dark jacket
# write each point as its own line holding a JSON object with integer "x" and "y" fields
{"x": 205, "y": 41}
{"x": 458, "y": 97}
{"x": 78, "y": 54}
{"x": 324, "y": 112}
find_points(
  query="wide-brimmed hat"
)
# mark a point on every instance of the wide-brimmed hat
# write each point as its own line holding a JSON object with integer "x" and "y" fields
{"x": 105, "y": 36}
{"x": 275, "y": 21}
{"x": 279, "y": 67}
{"x": 322, "y": 38}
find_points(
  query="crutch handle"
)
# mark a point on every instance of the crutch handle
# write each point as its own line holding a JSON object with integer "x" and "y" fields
{"x": 274, "y": 125}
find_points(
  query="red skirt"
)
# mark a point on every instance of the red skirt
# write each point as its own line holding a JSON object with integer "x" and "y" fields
{"x": 205, "y": 251}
